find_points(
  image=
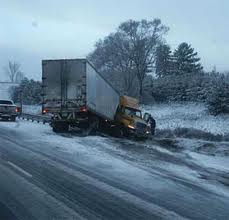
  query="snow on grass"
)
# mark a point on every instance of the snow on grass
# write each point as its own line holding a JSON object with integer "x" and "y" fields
{"x": 188, "y": 115}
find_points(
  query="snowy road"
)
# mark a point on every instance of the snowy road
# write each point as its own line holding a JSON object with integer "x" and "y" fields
{"x": 49, "y": 176}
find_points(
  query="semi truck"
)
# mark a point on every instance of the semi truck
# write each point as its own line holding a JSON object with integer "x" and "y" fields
{"x": 77, "y": 96}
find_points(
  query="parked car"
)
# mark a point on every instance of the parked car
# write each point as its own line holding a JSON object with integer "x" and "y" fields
{"x": 8, "y": 110}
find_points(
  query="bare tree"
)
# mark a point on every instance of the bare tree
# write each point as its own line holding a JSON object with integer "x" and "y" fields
{"x": 143, "y": 37}
{"x": 129, "y": 52}
{"x": 19, "y": 77}
{"x": 111, "y": 58}
{"x": 12, "y": 70}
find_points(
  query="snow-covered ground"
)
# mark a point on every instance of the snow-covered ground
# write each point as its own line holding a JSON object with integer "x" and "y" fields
{"x": 188, "y": 115}
{"x": 187, "y": 159}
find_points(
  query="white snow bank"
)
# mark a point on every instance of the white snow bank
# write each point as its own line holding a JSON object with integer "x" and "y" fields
{"x": 188, "y": 115}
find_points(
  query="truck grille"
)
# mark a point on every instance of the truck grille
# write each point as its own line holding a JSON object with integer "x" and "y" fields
{"x": 140, "y": 126}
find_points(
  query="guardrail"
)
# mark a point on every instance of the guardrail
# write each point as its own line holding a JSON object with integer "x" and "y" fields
{"x": 38, "y": 118}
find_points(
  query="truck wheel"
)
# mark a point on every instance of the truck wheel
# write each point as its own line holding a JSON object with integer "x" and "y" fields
{"x": 56, "y": 129}
{"x": 13, "y": 118}
{"x": 59, "y": 127}
{"x": 118, "y": 132}
{"x": 125, "y": 132}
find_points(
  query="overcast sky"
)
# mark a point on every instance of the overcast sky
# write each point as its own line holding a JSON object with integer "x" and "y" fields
{"x": 34, "y": 30}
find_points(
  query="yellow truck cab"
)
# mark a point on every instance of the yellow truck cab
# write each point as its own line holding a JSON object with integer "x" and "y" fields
{"x": 130, "y": 117}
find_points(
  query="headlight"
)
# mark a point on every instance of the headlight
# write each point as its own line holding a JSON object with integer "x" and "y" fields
{"x": 131, "y": 127}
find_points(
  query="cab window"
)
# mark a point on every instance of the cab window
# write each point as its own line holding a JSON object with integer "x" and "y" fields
{"x": 133, "y": 112}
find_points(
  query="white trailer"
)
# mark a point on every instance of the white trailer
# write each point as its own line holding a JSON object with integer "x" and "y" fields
{"x": 73, "y": 89}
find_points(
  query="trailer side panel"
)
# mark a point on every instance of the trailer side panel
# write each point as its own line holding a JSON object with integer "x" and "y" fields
{"x": 102, "y": 98}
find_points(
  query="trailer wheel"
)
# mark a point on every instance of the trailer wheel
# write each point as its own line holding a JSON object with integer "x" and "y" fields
{"x": 59, "y": 127}
{"x": 13, "y": 118}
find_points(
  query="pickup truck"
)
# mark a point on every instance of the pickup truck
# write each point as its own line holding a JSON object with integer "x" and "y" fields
{"x": 8, "y": 110}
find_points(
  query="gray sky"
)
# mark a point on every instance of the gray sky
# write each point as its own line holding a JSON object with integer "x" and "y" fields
{"x": 34, "y": 30}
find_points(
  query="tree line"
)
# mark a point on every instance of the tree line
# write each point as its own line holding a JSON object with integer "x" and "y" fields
{"x": 139, "y": 62}
{"x": 28, "y": 92}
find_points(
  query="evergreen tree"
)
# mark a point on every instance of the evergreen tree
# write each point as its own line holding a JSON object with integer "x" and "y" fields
{"x": 163, "y": 60}
{"x": 218, "y": 100}
{"x": 29, "y": 92}
{"x": 186, "y": 60}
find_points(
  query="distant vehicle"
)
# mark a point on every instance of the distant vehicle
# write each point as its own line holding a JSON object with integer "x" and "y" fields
{"x": 78, "y": 96}
{"x": 8, "y": 110}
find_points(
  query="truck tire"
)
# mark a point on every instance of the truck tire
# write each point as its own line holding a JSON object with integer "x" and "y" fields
{"x": 59, "y": 127}
{"x": 13, "y": 118}
{"x": 56, "y": 129}
{"x": 120, "y": 131}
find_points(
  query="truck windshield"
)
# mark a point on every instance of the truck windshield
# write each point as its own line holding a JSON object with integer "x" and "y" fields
{"x": 5, "y": 102}
{"x": 133, "y": 112}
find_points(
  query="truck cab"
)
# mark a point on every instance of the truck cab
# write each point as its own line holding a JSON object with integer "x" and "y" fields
{"x": 130, "y": 118}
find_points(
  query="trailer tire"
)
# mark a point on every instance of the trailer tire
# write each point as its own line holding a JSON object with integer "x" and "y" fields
{"x": 13, "y": 118}
{"x": 59, "y": 127}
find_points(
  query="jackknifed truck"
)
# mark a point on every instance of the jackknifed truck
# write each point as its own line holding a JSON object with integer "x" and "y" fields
{"x": 78, "y": 97}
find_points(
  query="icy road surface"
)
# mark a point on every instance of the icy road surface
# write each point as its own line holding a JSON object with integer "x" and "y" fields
{"x": 49, "y": 176}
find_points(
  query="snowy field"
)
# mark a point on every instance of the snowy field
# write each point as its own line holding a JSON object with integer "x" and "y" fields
{"x": 190, "y": 115}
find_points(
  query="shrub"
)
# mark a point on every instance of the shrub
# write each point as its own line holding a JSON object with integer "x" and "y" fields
{"x": 218, "y": 101}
